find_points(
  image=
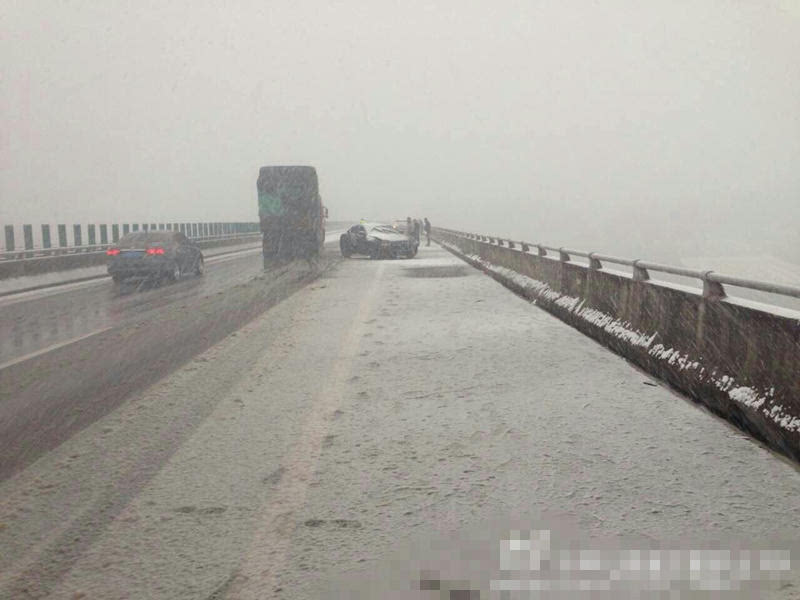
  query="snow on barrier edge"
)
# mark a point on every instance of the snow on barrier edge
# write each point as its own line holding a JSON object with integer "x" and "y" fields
{"x": 737, "y": 359}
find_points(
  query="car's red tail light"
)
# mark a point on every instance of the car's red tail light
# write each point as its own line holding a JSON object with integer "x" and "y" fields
{"x": 112, "y": 251}
{"x": 153, "y": 251}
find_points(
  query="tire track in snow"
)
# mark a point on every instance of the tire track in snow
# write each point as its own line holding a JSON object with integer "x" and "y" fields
{"x": 256, "y": 578}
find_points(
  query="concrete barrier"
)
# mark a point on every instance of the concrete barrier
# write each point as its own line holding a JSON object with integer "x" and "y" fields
{"x": 739, "y": 358}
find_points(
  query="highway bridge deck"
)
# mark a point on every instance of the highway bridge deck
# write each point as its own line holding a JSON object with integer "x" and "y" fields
{"x": 384, "y": 404}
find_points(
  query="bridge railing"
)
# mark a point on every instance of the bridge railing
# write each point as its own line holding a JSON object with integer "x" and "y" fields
{"x": 49, "y": 240}
{"x": 738, "y": 357}
{"x": 712, "y": 282}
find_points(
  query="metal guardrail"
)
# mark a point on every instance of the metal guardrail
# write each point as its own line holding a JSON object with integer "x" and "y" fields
{"x": 712, "y": 281}
{"x": 100, "y": 237}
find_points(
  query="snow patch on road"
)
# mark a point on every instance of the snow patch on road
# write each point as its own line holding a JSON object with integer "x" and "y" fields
{"x": 616, "y": 327}
{"x": 748, "y": 397}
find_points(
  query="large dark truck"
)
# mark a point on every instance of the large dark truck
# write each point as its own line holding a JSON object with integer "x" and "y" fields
{"x": 291, "y": 213}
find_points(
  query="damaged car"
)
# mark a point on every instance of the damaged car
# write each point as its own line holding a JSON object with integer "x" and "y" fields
{"x": 377, "y": 240}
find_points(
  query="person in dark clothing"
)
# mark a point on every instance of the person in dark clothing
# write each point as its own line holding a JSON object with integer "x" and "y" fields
{"x": 417, "y": 227}
{"x": 427, "y": 228}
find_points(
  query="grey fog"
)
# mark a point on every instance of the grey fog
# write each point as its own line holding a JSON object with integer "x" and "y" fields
{"x": 667, "y": 130}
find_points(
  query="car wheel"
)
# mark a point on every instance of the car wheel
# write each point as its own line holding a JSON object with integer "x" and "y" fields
{"x": 117, "y": 278}
{"x": 345, "y": 247}
{"x": 199, "y": 267}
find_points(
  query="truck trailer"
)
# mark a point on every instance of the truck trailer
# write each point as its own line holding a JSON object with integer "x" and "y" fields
{"x": 291, "y": 213}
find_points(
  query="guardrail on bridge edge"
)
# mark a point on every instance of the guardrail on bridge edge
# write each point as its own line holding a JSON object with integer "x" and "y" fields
{"x": 734, "y": 357}
{"x": 37, "y": 242}
{"x": 45, "y": 257}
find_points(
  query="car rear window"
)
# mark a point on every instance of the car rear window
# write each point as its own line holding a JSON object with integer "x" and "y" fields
{"x": 142, "y": 239}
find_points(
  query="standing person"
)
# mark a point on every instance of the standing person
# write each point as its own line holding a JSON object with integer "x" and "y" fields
{"x": 417, "y": 227}
{"x": 409, "y": 228}
{"x": 427, "y": 228}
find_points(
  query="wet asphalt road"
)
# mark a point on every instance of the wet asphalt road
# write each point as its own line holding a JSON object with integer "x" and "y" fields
{"x": 71, "y": 354}
{"x": 34, "y": 321}
{"x": 391, "y": 416}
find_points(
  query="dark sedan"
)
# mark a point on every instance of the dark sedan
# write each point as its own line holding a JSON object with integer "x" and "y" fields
{"x": 377, "y": 241}
{"x": 154, "y": 255}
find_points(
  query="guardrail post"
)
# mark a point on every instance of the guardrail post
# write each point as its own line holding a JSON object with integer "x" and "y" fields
{"x": 712, "y": 290}
{"x": 639, "y": 273}
{"x": 540, "y": 250}
{"x": 563, "y": 256}
{"x": 46, "y": 241}
{"x": 62, "y": 236}
{"x": 594, "y": 263}
{"x": 9, "y": 238}
{"x": 27, "y": 234}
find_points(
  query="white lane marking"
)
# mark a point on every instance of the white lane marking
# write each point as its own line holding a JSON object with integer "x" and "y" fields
{"x": 212, "y": 260}
{"x": 329, "y": 238}
{"x": 43, "y": 293}
{"x": 269, "y": 548}
{"x": 66, "y": 287}
{"x": 51, "y": 348}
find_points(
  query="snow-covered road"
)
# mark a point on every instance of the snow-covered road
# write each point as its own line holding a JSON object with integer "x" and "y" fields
{"x": 386, "y": 404}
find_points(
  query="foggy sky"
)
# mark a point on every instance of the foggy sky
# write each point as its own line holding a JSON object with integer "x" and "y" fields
{"x": 604, "y": 125}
